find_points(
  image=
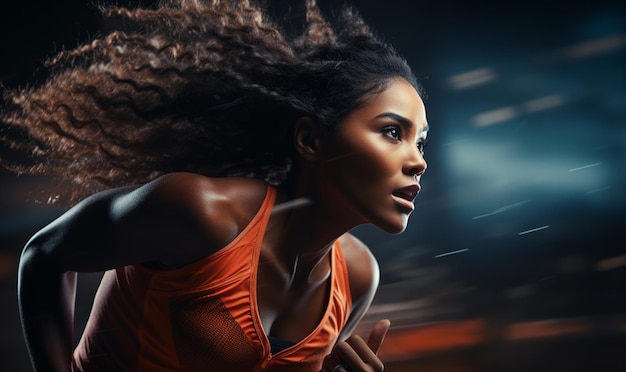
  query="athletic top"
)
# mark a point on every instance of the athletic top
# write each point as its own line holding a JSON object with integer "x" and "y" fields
{"x": 202, "y": 316}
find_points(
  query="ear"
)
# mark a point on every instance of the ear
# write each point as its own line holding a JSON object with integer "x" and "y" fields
{"x": 307, "y": 138}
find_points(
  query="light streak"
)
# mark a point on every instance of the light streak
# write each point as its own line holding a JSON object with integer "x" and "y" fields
{"x": 544, "y": 103}
{"x": 472, "y": 78}
{"x": 496, "y": 116}
{"x": 546, "y": 328}
{"x": 300, "y": 202}
{"x": 598, "y": 190}
{"x": 594, "y": 47}
{"x": 500, "y": 210}
{"x": 451, "y": 253}
{"x": 611, "y": 263}
{"x": 506, "y": 113}
{"x": 533, "y": 230}
{"x": 584, "y": 167}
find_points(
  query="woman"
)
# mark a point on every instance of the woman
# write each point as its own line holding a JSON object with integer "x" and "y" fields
{"x": 227, "y": 163}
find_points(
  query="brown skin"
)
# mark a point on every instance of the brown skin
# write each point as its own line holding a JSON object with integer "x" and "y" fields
{"x": 347, "y": 179}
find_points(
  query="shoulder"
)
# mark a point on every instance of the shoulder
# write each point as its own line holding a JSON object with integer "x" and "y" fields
{"x": 211, "y": 210}
{"x": 363, "y": 269}
{"x": 197, "y": 192}
{"x": 220, "y": 204}
{"x": 195, "y": 185}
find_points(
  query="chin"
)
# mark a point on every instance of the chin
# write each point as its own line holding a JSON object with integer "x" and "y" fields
{"x": 394, "y": 227}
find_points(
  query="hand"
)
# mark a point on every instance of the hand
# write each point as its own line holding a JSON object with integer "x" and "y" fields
{"x": 355, "y": 355}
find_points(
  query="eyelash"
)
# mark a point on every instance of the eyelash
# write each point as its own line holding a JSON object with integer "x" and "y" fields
{"x": 421, "y": 144}
{"x": 387, "y": 132}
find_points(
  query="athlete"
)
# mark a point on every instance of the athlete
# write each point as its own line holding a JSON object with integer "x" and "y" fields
{"x": 217, "y": 167}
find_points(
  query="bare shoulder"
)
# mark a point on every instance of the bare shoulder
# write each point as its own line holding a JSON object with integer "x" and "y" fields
{"x": 213, "y": 200}
{"x": 195, "y": 191}
{"x": 169, "y": 222}
{"x": 363, "y": 269}
{"x": 212, "y": 210}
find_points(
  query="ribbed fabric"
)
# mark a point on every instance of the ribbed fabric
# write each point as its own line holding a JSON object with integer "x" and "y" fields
{"x": 203, "y": 316}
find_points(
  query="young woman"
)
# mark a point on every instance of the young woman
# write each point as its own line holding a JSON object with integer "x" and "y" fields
{"x": 226, "y": 163}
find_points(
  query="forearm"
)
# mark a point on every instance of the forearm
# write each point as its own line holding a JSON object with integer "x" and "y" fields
{"x": 46, "y": 299}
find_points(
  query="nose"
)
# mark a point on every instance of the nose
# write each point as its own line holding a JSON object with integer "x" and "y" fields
{"x": 414, "y": 165}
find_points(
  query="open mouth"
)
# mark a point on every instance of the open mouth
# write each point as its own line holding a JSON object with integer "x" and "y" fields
{"x": 405, "y": 196}
{"x": 407, "y": 193}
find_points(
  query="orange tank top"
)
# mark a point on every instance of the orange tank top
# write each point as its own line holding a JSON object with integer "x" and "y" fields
{"x": 203, "y": 316}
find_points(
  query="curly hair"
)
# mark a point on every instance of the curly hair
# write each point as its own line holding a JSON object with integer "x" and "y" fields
{"x": 206, "y": 86}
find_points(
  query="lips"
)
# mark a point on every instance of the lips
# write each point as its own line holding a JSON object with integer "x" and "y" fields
{"x": 404, "y": 197}
{"x": 407, "y": 193}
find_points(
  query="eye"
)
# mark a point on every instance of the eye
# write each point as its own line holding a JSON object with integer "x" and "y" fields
{"x": 421, "y": 145}
{"x": 392, "y": 132}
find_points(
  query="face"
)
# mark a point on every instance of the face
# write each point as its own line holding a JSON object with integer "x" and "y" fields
{"x": 375, "y": 160}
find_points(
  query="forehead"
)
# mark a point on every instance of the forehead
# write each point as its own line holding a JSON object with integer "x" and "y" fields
{"x": 400, "y": 98}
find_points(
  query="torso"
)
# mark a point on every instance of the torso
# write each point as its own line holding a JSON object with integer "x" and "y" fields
{"x": 225, "y": 207}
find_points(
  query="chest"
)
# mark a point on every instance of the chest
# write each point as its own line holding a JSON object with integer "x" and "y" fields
{"x": 220, "y": 311}
{"x": 291, "y": 313}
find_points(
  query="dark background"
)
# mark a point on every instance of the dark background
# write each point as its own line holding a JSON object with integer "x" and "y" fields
{"x": 515, "y": 258}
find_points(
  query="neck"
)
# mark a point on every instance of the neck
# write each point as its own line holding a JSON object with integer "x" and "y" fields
{"x": 303, "y": 229}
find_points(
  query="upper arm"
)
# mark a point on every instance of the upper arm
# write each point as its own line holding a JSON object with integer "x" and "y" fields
{"x": 364, "y": 276}
{"x": 165, "y": 220}
{"x": 79, "y": 239}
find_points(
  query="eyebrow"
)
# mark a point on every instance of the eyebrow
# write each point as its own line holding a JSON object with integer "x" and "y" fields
{"x": 400, "y": 119}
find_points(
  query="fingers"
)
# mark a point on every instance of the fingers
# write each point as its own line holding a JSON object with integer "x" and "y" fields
{"x": 360, "y": 357}
{"x": 355, "y": 354}
{"x": 377, "y": 335}
{"x": 352, "y": 355}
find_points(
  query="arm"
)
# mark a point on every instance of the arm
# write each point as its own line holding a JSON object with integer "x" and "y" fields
{"x": 46, "y": 303}
{"x": 166, "y": 223}
{"x": 352, "y": 351}
{"x": 364, "y": 276}
{"x": 47, "y": 287}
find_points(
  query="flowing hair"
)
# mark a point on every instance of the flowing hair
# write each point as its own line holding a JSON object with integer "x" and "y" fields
{"x": 205, "y": 86}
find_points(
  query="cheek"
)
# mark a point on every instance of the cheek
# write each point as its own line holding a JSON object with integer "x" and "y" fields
{"x": 365, "y": 162}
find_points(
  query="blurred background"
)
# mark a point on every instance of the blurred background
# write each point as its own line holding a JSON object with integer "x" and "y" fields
{"x": 515, "y": 258}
